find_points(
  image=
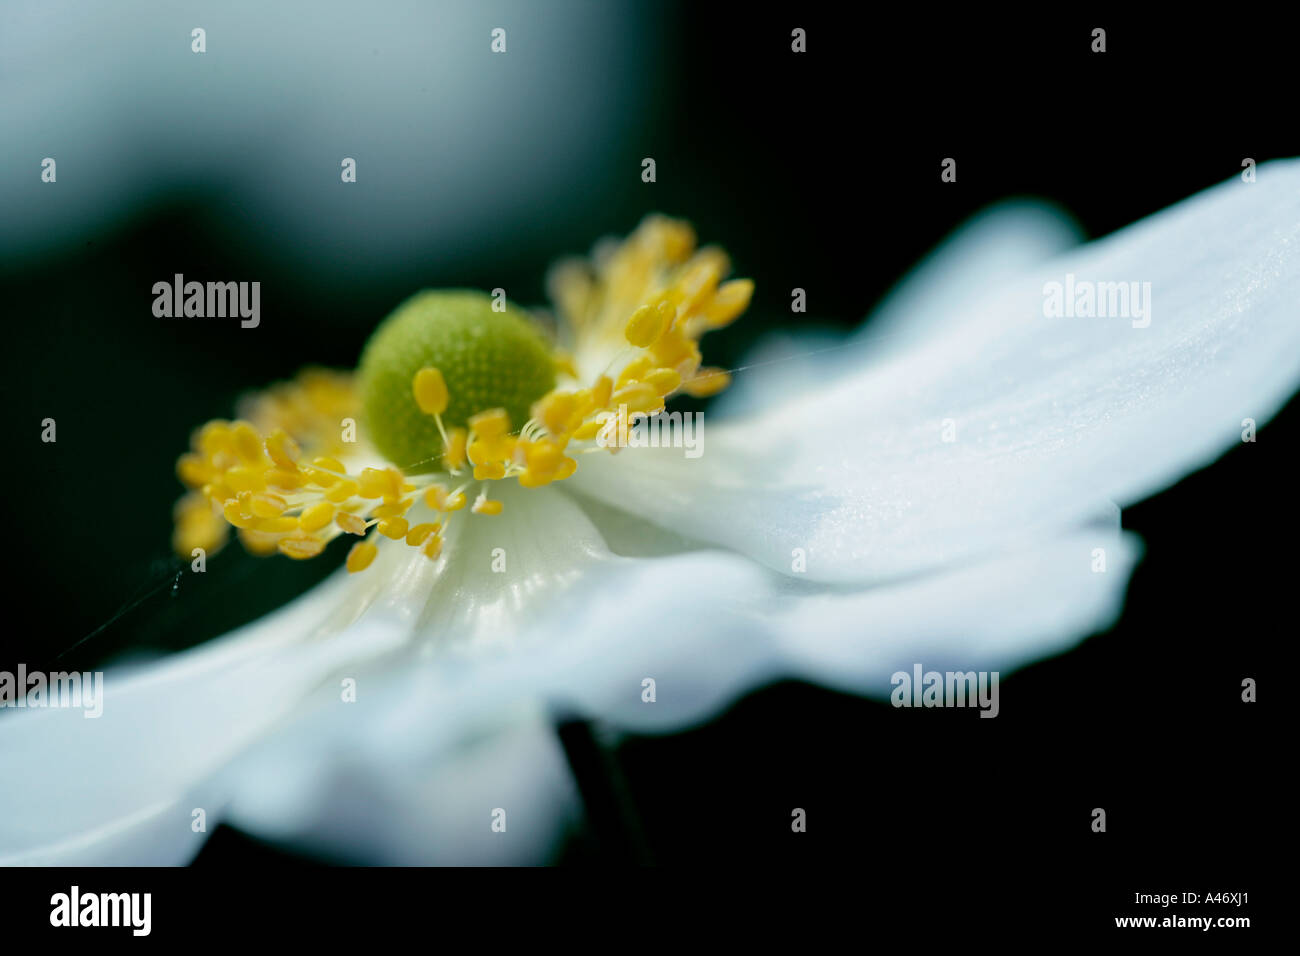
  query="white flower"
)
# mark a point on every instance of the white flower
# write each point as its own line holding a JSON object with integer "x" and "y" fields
{"x": 976, "y": 552}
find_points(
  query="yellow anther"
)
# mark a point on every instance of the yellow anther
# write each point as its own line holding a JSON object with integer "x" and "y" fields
{"x": 633, "y": 371}
{"x": 584, "y": 403}
{"x": 487, "y": 506}
{"x": 674, "y": 237}
{"x": 731, "y": 299}
{"x": 484, "y": 450}
{"x": 258, "y": 543}
{"x": 434, "y": 496}
{"x": 601, "y": 391}
{"x": 432, "y": 546}
{"x": 645, "y": 326}
{"x": 284, "y": 451}
{"x": 245, "y": 478}
{"x": 416, "y": 535}
{"x": 373, "y": 483}
{"x": 535, "y": 479}
{"x": 214, "y": 439}
{"x": 454, "y": 502}
{"x": 381, "y": 483}
{"x": 235, "y": 514}
{"x": 393, "y": 527}
{"x": 490, "y": 424}
{"x": 708, "y": 381}
{"x": 430, "y": 391}
{"x": 490, "y": 471}
{"x": 197, "y": 527}
{"x": 268, "y": 505}
{"x": 454, "y": 454}
{"x": 701, "y": 275}
{"x": 676, "y": 350}
{"x": 300, "y": 546}
{"x": 277, "y": 525}
{"x": 393, "y": 509}
{"x": 638, "y": 397}
{"x": 588, "y": 430}
{"x": 557, "y": 411}
{"x": 316, "y": 516}
{"x": 662, "y": 380}
{"x": 342, "y": 491}
{"x": 567, "y": 467}
{"x": 361, "y": 556}
{"x": 194, "y": 471}
{"x": 247, "y": 442}
{"x": 544, "y": 456}
{"x": 217, "y": 491}
{"x": 282, "y": 478}
{"x": 352, "y": 524}
{"x": 326, "y": 472}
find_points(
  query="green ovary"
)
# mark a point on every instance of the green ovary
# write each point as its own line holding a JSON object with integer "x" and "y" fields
{"x": 488, "y": 359}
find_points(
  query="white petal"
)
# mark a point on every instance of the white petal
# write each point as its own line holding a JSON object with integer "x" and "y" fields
{"x": 418, "y": 758}
{"x": 986, "y": 250}
{"x": 328, "y": 782}
{"x": 153, "y": 755}
{"x": 996, "y": 615}
{"x": 121, "y": 787}
{"x": 1052, "y": 416}
{"x": 705, "y": 627}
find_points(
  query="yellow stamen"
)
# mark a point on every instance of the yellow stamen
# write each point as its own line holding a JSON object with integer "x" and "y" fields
{"x": 645, "y": 326}
{"x": 247, "y": 442}
{"x": 430, "y": 391}
{"x": 342, "y": 491}
{"x": 284, "y": 451}
{"x": 316, "y": 516}
{"x": 731, "y": 299}
{"x": 282, "y": 472}
{"x": 490, "y": 424}
{"x": 633, "y": 371}
{"x": 662, "y": 380}
{"x": 708, "y": 381}
{"x": 277, "y": 525}
{"x": 268, "y": 505}
{"x": 416, "y": 535}
{"x": 350, "y": 523}
{"x": 638, "y": 397}
{"x": 392, "y": 509}
{"x": 361, "y": 556}
{"x": 454, "y": 454}
{"x": 432, "y": 546}
{"x": 300, "y": 546}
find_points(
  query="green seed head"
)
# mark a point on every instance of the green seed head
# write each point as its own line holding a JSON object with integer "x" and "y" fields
{"x": 488, "y": 360}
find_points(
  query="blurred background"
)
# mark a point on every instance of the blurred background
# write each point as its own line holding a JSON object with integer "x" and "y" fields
{"x": 817, "y": 171}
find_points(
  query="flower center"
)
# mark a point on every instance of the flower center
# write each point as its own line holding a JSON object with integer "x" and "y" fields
{"x": 489, "y": 359}
{"x": 449, "y": 383}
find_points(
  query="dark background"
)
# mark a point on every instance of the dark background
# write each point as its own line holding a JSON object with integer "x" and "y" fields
{"x": 820, "y": 171}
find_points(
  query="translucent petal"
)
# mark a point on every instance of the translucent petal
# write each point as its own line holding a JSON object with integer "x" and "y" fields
{"x": 1010, "y": 426}
{"x": 990, "y": 248}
